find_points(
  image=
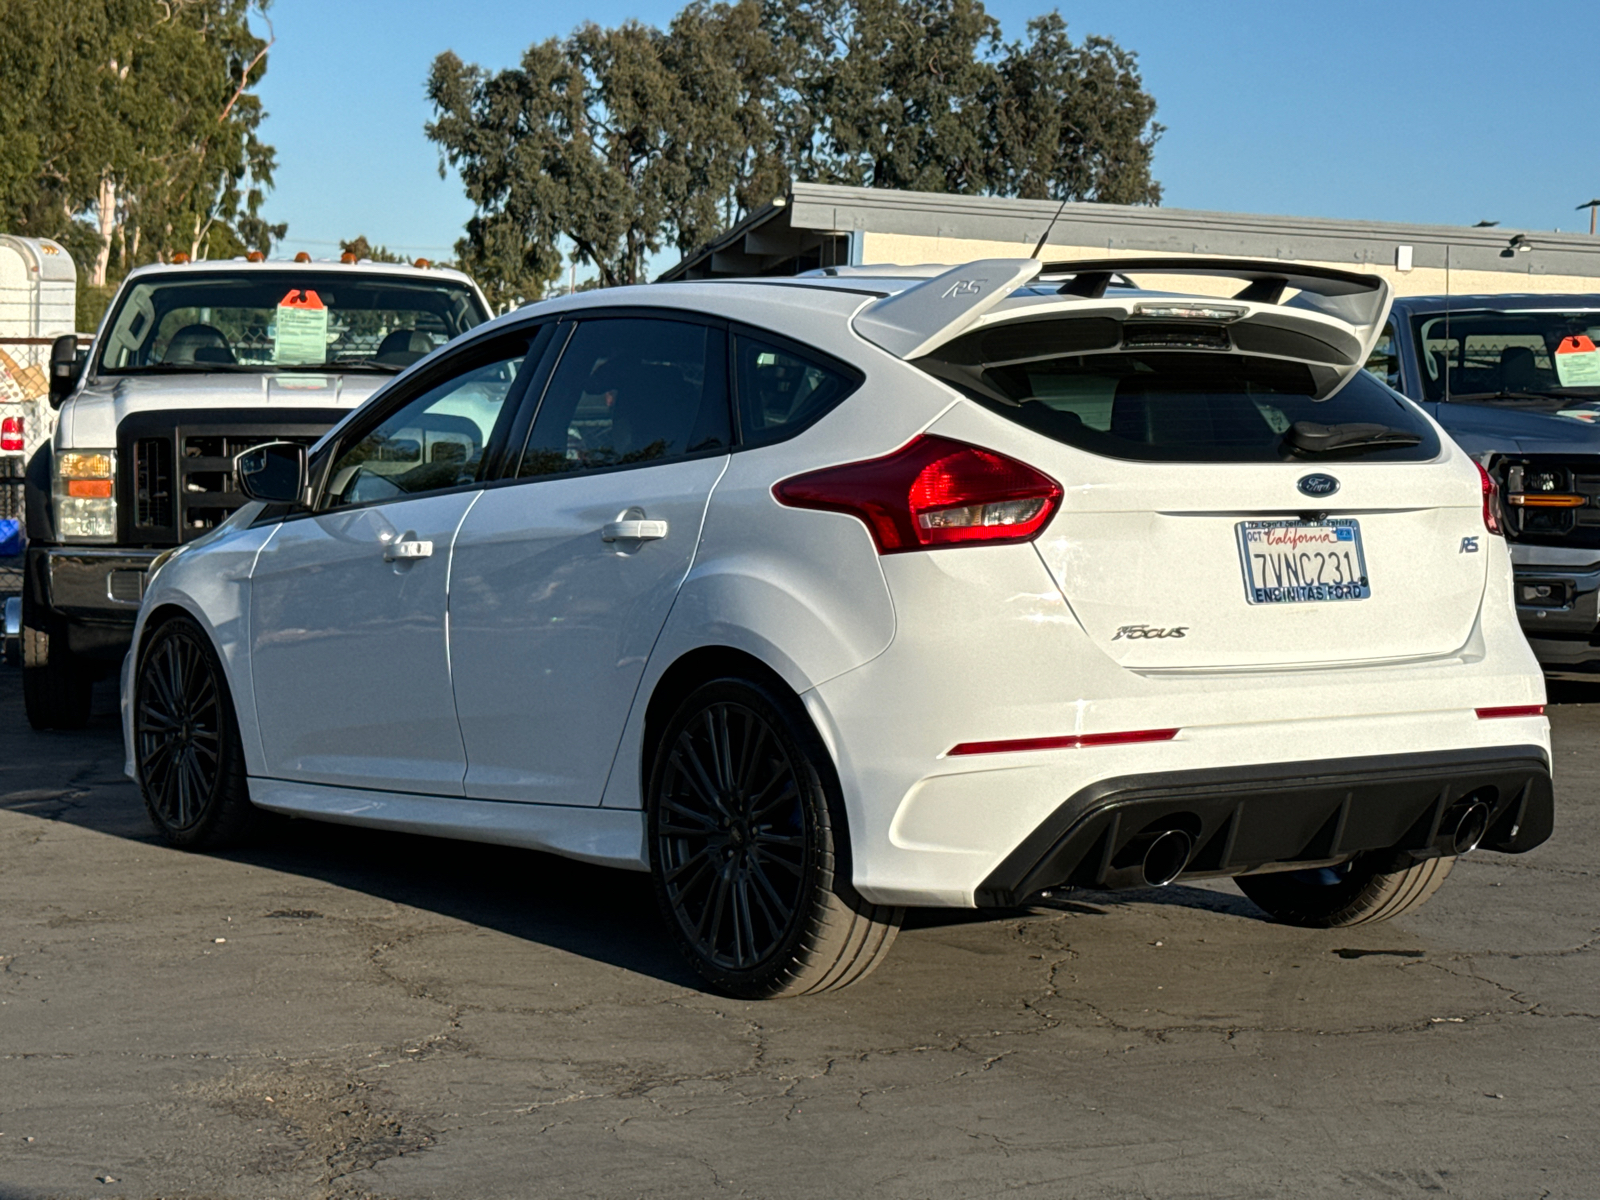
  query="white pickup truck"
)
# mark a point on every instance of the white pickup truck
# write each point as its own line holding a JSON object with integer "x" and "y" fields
{"x": 193, "y": 364}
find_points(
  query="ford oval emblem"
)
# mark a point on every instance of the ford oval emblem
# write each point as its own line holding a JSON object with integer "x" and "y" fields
{"x": 1318, "y": 485}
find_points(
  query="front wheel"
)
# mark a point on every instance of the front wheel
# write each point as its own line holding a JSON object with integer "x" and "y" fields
{"x": 1356, "y": 893}
{"x": 186, "y": 742}
{"x": 746, "y": 848}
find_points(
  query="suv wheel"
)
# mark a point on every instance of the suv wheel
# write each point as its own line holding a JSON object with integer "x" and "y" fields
{"x": 186, "y": 742}
{"x": 56, "y": 686}
{"x": 747, "y": 849}
{"x": 1356, "y": 893}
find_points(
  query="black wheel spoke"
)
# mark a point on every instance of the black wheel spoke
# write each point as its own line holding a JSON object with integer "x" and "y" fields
{"x": 729, "y": 829}
{"x": 178, "y": 722}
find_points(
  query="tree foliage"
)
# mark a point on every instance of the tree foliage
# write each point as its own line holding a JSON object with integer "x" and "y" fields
{"x": 615, "y": 143}
{"x": 129, "y": 128}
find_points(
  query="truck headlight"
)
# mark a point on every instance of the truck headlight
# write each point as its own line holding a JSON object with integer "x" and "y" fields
{"x": 85, "y": 495}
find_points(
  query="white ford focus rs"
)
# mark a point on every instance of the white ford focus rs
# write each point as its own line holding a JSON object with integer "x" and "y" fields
{"x": 818, "y": 598}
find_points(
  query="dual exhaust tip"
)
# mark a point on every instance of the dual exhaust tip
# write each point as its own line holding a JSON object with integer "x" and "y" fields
{"x": 1156, "y": 858}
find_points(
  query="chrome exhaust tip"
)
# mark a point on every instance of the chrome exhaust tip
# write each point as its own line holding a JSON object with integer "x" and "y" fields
{"x": 1472, "y": 827}
{"x": 1165, "y": 857}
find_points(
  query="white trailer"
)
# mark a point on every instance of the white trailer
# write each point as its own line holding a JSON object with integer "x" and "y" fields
{"x": 38, "y": 303}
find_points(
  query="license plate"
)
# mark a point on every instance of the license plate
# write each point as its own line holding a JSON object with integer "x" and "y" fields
{"x": 1293, "y": 562}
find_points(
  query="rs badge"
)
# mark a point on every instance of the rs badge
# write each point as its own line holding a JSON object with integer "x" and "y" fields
{"x": 1469, "y": 545}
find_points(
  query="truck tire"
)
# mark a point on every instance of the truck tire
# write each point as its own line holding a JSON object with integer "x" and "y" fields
{"x": 56, "y": 686}
{"x": 1358, "y": 893}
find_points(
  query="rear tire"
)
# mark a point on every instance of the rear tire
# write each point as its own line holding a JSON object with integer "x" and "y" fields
{"x": 57, "y": 687}
{"x": 1358, "y": 893}
{"x": 748, "y": 848}
{"x": 186, "y": 742}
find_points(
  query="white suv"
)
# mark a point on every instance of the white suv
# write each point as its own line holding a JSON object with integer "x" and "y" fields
{"x": 822, "y": 597}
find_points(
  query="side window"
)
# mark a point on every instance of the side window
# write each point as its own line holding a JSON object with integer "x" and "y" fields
{"x": 434, "y": 442}
{"x": 1384, "y": 361}
{"x": 631, "y": 390}
{"x": 780, "y": 391}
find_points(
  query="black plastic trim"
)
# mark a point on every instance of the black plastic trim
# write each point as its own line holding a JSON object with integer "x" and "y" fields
{"x": 1246, "y": 817}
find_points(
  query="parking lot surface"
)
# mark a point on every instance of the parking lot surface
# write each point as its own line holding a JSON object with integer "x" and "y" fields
{"x": 342, "y": 1013}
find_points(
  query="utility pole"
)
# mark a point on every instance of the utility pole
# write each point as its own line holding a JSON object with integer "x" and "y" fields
{"x": 1591, "y": 206}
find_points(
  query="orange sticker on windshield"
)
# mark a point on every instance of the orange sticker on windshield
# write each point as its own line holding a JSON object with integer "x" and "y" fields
{"x": 1577, "y": 362}
{"x": 301, "y": 298}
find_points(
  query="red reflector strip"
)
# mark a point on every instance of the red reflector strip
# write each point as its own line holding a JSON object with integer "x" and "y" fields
{"x": 1511, "y": 710}
{"x": 1067, "y": 742}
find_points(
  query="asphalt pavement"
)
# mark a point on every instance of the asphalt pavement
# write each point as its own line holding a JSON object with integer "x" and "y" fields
{"x": 340, "y": 1013}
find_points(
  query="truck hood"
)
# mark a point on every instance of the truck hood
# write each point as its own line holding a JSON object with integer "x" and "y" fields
{"x": 90, "y": 418}
{"x": 1481, "y": 429}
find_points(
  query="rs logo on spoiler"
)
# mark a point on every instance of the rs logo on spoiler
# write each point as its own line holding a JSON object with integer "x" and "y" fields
{"x": 1149, "y": 631}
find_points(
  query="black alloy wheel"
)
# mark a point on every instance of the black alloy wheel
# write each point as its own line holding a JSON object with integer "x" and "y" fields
{"x": 186, "y": 742}
{"x": 742, "y": 848}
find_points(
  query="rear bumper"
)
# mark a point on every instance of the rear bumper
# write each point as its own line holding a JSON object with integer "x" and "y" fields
{"x": 1245, "y": 818}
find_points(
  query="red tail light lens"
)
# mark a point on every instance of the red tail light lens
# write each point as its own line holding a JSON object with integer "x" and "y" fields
{"x": 932, "y": 492}
{"x": 1491, "y": 501}
{"x": 11, "y": 434}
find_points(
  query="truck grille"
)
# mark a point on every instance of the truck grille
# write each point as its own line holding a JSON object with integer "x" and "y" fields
{"x": 152, "y": 483}
{"x": 1550, "y": 501}
{"x": 182, "y": 483}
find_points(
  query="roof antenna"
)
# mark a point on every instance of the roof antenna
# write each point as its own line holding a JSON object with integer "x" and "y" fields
{"x": 1045, "y": 236}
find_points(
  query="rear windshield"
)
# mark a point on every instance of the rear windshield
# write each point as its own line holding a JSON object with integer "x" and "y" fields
{"x": 1175, "y": 406}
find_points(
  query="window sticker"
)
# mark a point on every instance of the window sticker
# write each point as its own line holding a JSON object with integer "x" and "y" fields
{"x": 1578, "y": 362}
{"x": 301, "y": 331}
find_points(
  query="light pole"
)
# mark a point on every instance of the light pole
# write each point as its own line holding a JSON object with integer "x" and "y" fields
{"x": 1591, "y": 206}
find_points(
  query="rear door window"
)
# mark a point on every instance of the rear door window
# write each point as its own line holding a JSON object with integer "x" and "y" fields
{"x": 630, "y": 391}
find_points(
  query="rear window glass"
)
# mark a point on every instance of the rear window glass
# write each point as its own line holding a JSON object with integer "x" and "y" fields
{"x": 1174, "y": 406}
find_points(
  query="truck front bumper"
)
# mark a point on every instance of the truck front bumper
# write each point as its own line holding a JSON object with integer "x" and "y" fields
{"x": 1557, "y": 595}
{"x": 94, "y": 592}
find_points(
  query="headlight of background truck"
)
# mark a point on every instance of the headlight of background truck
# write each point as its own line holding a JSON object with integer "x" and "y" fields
{"x": 85, "y": 494}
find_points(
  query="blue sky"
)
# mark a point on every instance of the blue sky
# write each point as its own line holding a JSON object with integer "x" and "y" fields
{"x": 1402, "y": 111}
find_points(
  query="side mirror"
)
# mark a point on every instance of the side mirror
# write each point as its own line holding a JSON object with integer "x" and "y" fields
{"x": 65, "y": 367}
{"x": 274, "y": 472}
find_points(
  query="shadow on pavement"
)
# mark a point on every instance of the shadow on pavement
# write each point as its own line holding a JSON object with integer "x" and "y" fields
{"x": 600, "y": 913}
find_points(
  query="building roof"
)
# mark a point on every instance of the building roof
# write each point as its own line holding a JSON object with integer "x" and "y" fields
{"x": 814, "y": 222}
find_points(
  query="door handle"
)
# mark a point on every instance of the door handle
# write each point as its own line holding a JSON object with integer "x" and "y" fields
{"x": 643, "y": 531}
{"x": 405, "y": 551}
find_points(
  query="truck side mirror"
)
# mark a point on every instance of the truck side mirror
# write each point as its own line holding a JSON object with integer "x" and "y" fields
{"x": 274, "y": 472}
{"x": 65, "y": 367}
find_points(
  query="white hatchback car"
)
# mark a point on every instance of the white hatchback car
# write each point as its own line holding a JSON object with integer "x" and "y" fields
{"x": 822, "y": 597}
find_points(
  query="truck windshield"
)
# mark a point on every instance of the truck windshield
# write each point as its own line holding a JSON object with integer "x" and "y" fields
{"x": 1506, "y": 355}
{"x": 273, "y": 320}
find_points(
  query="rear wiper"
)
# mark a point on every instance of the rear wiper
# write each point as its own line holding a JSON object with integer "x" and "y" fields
{"x": 371, "y": 364}
{"x": 1308, "y": 437}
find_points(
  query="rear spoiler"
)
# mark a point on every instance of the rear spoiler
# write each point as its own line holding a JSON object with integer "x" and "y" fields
{"x": 917, "y": 320}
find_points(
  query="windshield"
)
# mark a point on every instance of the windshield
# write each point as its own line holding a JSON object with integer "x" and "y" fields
{"x": 1490, "y": 355}
{"x": 254, "y": 320}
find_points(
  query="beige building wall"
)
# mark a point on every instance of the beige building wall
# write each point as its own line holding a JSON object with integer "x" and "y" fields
{"x": 1420, "y": 281}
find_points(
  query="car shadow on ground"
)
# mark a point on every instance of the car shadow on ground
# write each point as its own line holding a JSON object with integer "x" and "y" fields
{"x": 600, "y": 913}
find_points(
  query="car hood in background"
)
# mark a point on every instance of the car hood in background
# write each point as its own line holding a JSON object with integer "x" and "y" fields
{"x": 1481, "y": 429}
{"x": 92, "y": 416}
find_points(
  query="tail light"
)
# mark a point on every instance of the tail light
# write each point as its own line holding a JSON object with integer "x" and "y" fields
{"x": 11, "y": 434}
{"x": 1491, "y": 502}
{"x": 932, "y": 492}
